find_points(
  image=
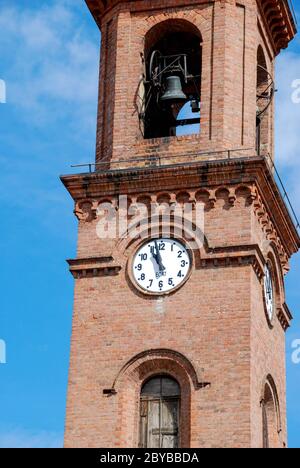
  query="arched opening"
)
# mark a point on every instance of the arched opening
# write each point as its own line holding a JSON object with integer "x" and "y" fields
{"x": 264, "y": 97}
{"x": 130, "y": 381}
{"x": 173, "y": 57}
{"x": 270, "y": 415}
{"x": 159, "y": 413}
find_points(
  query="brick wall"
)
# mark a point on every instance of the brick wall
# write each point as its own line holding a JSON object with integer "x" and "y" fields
{"x": 217, "y": 321}
{"x": 212, "y": 335}
{"x": 229, "y": 52}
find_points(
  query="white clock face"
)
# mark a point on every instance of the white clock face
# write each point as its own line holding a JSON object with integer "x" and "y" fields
{"x": 269, "y": 292}
{"x": 161, "y": 265}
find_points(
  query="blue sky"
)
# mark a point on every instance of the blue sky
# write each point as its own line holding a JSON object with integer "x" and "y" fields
{"x": 49, "y": 60}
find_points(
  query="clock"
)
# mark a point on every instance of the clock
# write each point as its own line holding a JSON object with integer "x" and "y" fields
{"x": 161, "y": 265}
{"x": 269, "y": 292}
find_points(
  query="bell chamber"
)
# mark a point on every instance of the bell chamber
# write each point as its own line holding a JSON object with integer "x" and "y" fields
{"x": 173, "y": 58}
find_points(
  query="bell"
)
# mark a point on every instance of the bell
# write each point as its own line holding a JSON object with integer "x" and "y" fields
{"x": 173, "y": 91}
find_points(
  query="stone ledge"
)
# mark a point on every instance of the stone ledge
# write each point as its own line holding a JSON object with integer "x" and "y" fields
{"x": 280, "y": 22}
{"x": 284, "y": 316}
{"x": 93, "y": 267}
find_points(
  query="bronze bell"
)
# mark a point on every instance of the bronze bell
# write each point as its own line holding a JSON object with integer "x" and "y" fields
{"x": 173, "y": 91}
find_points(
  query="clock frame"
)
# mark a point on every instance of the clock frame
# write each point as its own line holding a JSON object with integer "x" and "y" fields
{"x": 179, "y": 245}
{"x": 269, "y": 293}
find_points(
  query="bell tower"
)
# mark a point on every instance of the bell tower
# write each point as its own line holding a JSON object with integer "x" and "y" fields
{"x": 184, "y": 239}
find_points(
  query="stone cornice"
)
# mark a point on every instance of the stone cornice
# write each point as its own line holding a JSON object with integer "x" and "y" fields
{"x": 253, "y": 172}
{"x": 276, "y": 14}
{"x": 214, "y": 257}
{"x": 279, "y": 22}
{"x": 99, "y": 8}
{"x": 217, "y": 257}
{"x": 93, "y": 266}
{"x": 284, "y": 316}
{"x": 240, "y": 256}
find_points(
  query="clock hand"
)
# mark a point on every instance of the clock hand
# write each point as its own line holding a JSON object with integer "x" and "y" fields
{"x": 158, "y": 258}
{"x": 155, "y": 256}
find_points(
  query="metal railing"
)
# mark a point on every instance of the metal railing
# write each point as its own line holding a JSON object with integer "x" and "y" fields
{"x": 292, "y": 9}
{"x": 159, "y": 161}
{"x": 284, "y": 193}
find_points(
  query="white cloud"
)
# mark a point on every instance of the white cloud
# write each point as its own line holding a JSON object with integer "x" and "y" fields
{"x": 51, "y": 64}
{"x": 49, "y": 61}
{"x": 21, "y": 438}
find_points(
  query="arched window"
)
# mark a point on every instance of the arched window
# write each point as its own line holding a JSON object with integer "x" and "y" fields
{"x": 270, "y": 415}
{"x": 173, "y": 61}
{"x": 159, "y": 413}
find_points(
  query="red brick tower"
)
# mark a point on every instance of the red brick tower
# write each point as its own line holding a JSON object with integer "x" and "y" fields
{"x": 177, "y": 343}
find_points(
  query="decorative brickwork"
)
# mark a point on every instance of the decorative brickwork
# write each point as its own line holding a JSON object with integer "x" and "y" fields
{"x": 212, "y": 334}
